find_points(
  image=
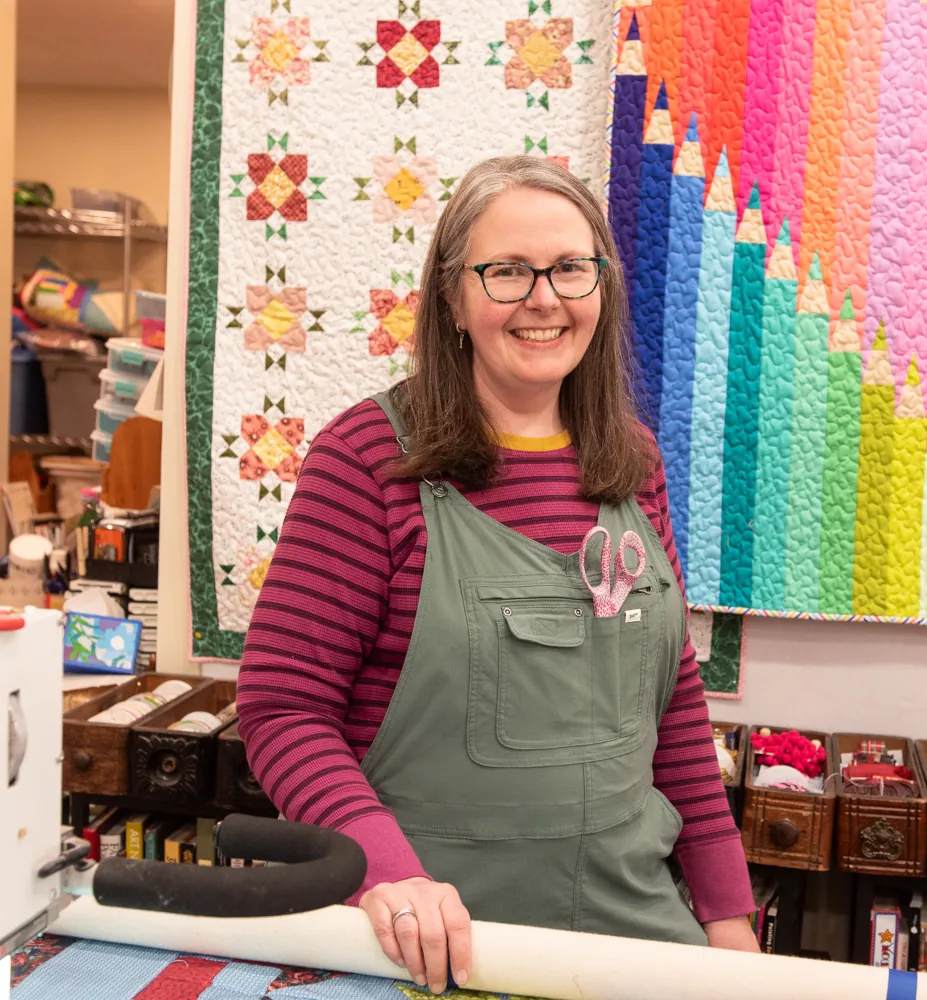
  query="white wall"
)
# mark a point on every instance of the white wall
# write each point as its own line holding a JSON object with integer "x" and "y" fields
{"x": 833, "y": 676}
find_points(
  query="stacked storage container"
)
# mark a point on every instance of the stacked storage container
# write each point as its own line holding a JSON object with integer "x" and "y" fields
{"x": 131, "y": 365}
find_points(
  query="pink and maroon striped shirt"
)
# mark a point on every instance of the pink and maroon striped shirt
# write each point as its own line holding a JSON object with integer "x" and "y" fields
{"x": 331, "y": 629}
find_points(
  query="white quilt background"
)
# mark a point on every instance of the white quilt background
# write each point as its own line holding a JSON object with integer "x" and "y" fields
{"x": 334, "y": 113}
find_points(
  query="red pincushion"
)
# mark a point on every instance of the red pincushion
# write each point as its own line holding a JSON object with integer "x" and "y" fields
{"x": 789, "y": 748}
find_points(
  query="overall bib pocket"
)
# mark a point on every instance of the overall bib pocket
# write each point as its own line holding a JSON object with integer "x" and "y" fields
{"x": 551, "y": 684}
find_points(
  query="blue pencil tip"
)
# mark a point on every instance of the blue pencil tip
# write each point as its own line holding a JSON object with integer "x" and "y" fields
{"x": 662, "y": 100}
{"x": 692, "y": 133}
{"x": 634, "y": 34}
{"x": 723, "y": 168}
{"x": 784, "y": 235}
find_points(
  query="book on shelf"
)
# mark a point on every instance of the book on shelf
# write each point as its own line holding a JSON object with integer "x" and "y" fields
{"x": 765, "y": 890}
{"x": 135, "y": 835}
{"x": 113, "y": 839}
{"x": 91, "y": 832}
{"x": 769, "y": 927}
{"x": 884, "y": 932}
{"x": 172, "y": 842}
{"x": 205, "y": 842}
{"x": 156, "y": 830}
{"x": 188, "y": 849}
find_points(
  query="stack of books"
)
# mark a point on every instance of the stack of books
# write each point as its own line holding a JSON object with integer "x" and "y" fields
{"x": 117, "y": 833}
{"x": 143, "y": 607}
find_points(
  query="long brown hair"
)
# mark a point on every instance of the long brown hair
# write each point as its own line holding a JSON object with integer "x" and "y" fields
{"x": 439, "y": 403}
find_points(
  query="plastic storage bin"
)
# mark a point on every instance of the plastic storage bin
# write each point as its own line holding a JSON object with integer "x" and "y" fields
{"x": 93, "y": 200}
{"x": 122, "y": 386}
{"x": 112, "y": 412}
{"x": 72, "y": 387}
{"x": 151, "y": 312}
{"x": 101, "y": 446}
{"x": 131, "y": 357}
{"x": 28, "y": 407}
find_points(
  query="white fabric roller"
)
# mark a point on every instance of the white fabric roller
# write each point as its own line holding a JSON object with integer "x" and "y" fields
{"x": 529, "y": 961}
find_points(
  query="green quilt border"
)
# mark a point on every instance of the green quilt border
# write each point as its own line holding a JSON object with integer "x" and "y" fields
{"x": 208, "y": 641}
{"x": 721, "y": 674}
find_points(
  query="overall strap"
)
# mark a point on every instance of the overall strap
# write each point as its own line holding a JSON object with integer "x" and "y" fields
{"x": 385, "y": 402}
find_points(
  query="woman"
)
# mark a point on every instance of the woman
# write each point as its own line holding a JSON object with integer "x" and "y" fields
{"x": 424, "y": 670}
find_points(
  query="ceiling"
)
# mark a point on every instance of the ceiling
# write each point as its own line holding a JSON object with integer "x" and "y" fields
{"x": 94, "y": 43}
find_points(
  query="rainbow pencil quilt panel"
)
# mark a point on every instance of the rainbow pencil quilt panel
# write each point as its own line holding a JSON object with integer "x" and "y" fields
{"x": 768, "y": 192}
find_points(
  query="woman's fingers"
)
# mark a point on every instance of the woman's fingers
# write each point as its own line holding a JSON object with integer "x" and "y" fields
{"x": 457, "y": 926}
{"x": 433, "y": 939}
{"x": 378, "y": 912}
{"x": 406, "y": 929}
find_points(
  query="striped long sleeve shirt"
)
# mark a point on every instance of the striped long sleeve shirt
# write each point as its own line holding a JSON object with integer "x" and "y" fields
{"x": 333, "y": 621}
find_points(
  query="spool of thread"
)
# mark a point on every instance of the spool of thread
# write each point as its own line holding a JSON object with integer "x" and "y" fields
{"x": 170, "y": 690}
{"x": 27, "y": 558}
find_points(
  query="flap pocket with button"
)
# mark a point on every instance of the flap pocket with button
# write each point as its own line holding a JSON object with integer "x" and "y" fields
{"x": 564, "y": 629}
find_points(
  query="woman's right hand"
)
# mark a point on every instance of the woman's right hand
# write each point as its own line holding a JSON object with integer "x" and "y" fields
{"x": 422, "y": 943}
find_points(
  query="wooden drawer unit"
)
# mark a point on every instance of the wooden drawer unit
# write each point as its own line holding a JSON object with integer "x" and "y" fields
{"x": 881, "y": 835}
{"x": 96, "y": 754}
{"x": 178, "y": 766}
{"x": 733, "y": 786}
{"x": 236, "y": 785}
{"x": 785, "y": 828}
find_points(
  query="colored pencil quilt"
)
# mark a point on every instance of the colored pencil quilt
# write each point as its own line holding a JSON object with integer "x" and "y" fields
{"x": 768, "y": 193}
{"x": 327, "y": 138}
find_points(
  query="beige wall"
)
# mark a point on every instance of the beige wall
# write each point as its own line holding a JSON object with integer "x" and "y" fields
{"x": 89, "y": 137}
{"x": 7, "y": 130}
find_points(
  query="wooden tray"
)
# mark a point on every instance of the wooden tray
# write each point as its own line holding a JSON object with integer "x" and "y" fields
{"x": 788, "y": 829}
{"x": 236, "y": 786}
{"x": 880, "y": 836}
{"x": 734, "y": 786}
{"x": 96, "y": 753}
{"x": 177, "y": 767}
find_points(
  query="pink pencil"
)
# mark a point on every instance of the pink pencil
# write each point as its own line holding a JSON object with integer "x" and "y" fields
{"x": 857, "y": 157}
{"x": 911, "y": 330}
{"x": 764, "y": 78}
{"x": 890, "y": 228}
{"x": 793, "y": 101}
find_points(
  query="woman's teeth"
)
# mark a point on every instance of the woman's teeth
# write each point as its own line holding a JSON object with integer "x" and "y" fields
{"x": 541, "y": 335}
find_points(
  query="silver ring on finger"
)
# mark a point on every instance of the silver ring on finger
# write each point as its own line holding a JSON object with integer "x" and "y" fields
{"x": 406, "y": 912}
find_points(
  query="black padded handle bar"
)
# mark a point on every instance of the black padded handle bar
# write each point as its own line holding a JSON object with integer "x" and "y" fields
{"x": 317, "y": 868}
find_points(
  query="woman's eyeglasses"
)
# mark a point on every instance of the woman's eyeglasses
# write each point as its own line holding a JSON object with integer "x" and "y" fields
{"x": 505, "y": 281}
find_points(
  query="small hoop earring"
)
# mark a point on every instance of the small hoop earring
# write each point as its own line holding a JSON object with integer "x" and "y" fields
{"x": 462, "y": 335}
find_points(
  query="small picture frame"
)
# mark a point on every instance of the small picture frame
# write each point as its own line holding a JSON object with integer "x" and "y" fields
{"x": 96, "y": 644}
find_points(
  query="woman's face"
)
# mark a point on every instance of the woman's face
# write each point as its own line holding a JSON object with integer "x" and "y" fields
{"x": 537, "y": 342}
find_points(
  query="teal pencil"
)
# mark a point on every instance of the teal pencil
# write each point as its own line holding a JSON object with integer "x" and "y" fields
{"x": 809, "y": 423}
{"x": 774, "y": 443}
{"x": 709, "y": 397}
{"x": 742, "y": 411}
{"x": 841, "y": 465}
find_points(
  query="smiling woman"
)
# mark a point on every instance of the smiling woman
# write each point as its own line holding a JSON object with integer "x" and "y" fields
{"x": 426, "y": 670}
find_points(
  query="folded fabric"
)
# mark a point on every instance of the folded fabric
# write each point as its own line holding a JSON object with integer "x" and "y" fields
{"x": 54, "y": 298}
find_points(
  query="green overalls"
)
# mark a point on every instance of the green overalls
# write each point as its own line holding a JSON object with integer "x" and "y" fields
{"x": 517, "y": 750}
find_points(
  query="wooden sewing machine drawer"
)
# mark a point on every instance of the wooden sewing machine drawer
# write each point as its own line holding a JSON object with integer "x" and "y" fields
{"x": 178, "y": 766}
{"x": 881, "y": 835}
{"x": 785, "y": 828}
{"x": 733, "y": 785}
{"x": 96, "y": 754}
{"x": 236, "y": 786}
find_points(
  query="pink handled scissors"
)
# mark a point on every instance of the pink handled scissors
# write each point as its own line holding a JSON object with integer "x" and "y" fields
{"x": 607, "y": 599}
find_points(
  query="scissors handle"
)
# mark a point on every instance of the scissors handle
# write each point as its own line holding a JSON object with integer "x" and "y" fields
{"x": 606, "y": 598}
